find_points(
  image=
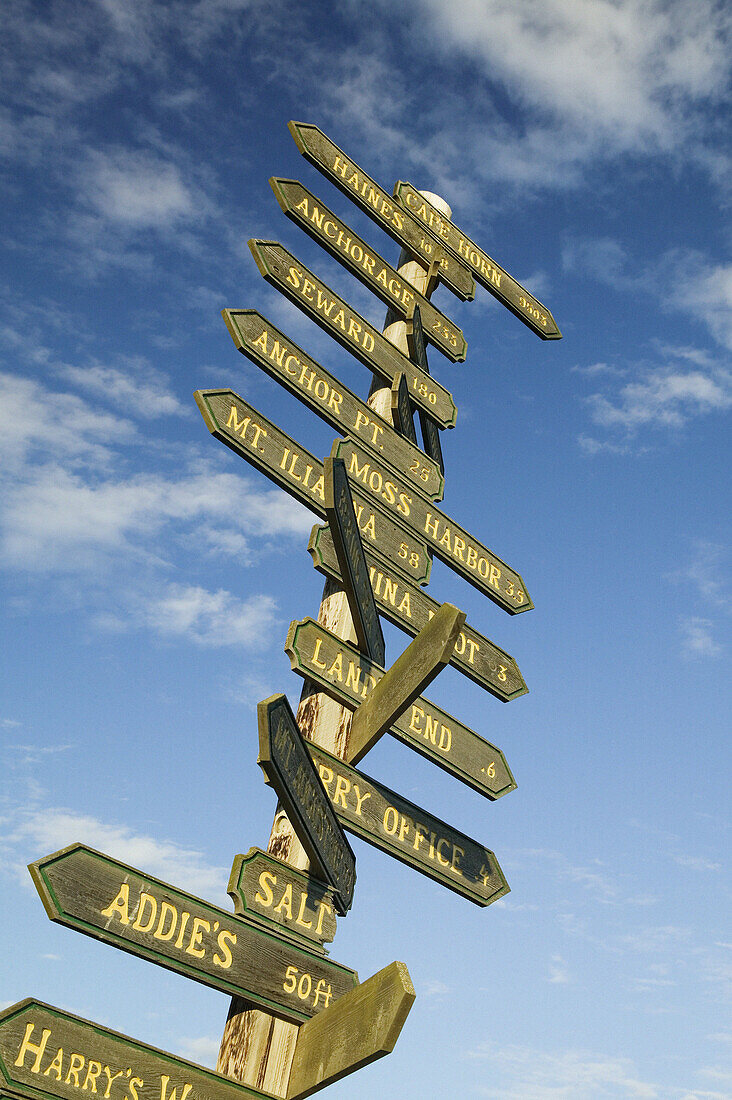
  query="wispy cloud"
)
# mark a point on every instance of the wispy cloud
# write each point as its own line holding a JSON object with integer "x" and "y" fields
{"x": 524, "y": 1073}
{"x": 697, "y": 639}
{"x": 208, "y": 618}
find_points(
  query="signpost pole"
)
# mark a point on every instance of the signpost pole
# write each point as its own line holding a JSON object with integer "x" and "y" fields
{"x": 257, "y": 1049}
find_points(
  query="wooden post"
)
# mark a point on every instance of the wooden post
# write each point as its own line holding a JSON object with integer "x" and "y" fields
{"x": 257, "y": 1049}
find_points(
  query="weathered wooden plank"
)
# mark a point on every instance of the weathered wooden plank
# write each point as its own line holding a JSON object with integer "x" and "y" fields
{"x": 349, "y": 551}
{"x": 255, "y": 438}
{"x": 265, "y": 889}
{"x": 362, "y": 1027}
{"x": 408, "y": 833}
{"x": 325, "y": 155}
{"x": 450, "y": 542}
{"x": 92, "y": 893}
{"x": 325, "y": 227}
{"x": 48, "y": 1054}
{"x": 412, "y": 671}
{"x": 487, "y": 272}
{"x": 284, "y": 759}
{"x": 288, "y": 364}
{"x": 401, "y": 410}
{"x": 285, "y": 272}
{"x": 349, "y": 677}
{"x": 428, "y": 424}
{"x": 409, "y": 608}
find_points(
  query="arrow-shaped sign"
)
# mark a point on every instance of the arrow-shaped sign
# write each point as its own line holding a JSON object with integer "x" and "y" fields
{"x": 412, "y": 671}
{"x": 320, "y": 223}
{"x": 450, "y": 542}
{"x": 488, "y": 273}
{"x": 285, "y": 272}
{"x": 380, "y": 205}
{"x": 119, "y": 905}
{"x": 410, "y": 608}
{"x": 349, "y": 677}
{"x": 288, "y": 364}
{"x": 284, "y": 759}
{"x": 255, "y": 438}
{"x": 408, "y": 833}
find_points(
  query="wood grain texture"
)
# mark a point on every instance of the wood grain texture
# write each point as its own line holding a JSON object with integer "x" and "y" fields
{"x": 410, "y": 674}
{"x": 363, "y": 1027}
{"x": 48, "y": 1053}
{"x": 286, "y": 362}
{"x": 412, "y": 235}
{"x": 92, "y": 893}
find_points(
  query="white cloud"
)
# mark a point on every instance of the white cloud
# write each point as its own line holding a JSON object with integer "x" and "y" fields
{"x": 705, "y": 572}
{"x": 558, "y": 973}
{"x": 696, "y": 863}
{"x": 139, "y": 388}
{"x": 522, "y": 1073}
{"x": 137, "y": 189}
{"x": 204, "y": 1050}
{"x": 36, "y": 833}
{"x": 697, "y": 637}
{"x": 211, "y": 618}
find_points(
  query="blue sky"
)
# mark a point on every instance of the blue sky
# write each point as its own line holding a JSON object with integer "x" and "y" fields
{"x": 149, "y": 576}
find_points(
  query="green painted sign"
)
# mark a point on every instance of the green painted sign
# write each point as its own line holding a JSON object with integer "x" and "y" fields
{"x": 473, "y": 561}
{"x": 325, "y": 227}
{"x": 48, "y": 1054}
{"x": 401, "y": 226}
{"x": 488, "y": 273}
{"x": 299, "y": 906}
{"x": 284, "y": 759}
{"x": 250, "y": 435}
{"x": 410, "y": 608}
{"x": 410, "y": 834}
{"x": 338, "y": 406}
{"x": 119, "y": 905}
{"x": 349, "y": 678}
{"x": 282, "y": 270}
{"x": 351, "y": 560}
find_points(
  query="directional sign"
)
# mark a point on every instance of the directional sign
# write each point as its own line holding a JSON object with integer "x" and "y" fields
{"x": 413, "y": 670}
{"x": 473, "y": 561}
{"x": 409, "y": 833}
{"x": 49, "y": 1054}
{"x": 238, "y": 424}
{"x": 282, "y": 270}
{"x": 401, "y": 409}
{"x": 268, "y": 891}
{"x": 379, "y": 205}
{"x": 429, "y": 426}
{"x": 119, "y": 905}
{"x": 351, "y": 560}
{"x": 349, "y": 677}
{"x": 307, "y": 211}
{"x": 284, "y": 759}
{"x": 488, "y": 273}
{"x": 361, "y": 1027}
{"x": 410, "y": 608}
{"x": 293, "y": 368}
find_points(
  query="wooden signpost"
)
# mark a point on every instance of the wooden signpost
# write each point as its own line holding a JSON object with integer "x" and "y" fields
{"x": 298, "y": 1020}
{"x": 293, "y": 368}
{"x": 284, "y": 760}
{"x": 250, "y": 435}
{"x": 325, "y": 227}
{"x": 119, "y": 905}
{"x": 408, "y": 833}
{"x": 413, "y": 235}
{"x": 345, "y": 674}
{"x": 488, "y": 273}
{"x": 351, "y": 560}
{"x": 409, "y": 608}
{"x": 283, "y": 271}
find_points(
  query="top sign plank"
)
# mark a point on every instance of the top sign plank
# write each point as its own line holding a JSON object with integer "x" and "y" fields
{"x": 405, "y": 229}
{"x": 488, "y": 273}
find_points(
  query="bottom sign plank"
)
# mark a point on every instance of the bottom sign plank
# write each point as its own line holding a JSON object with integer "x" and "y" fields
{"x": 409, "y": 833}
{"x": 95, "y": 894}
{"x": 360, "y": 1028}
{"x": 48, "y": 1053}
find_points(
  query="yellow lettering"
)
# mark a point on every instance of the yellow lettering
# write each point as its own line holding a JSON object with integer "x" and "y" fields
{"x": 120, "y": 905}
{"x": 145, "y": 899}
{"x": 285, "y": 903}
{"x": 34, "y": 1048}
{"x": 199, "y": 924}
{"x": 224, "y": 960}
